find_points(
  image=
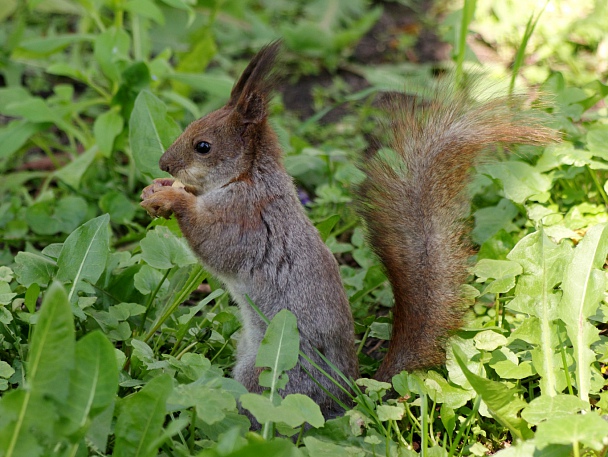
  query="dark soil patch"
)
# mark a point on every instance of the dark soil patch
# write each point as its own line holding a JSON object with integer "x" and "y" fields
{"x": 378, "y": 46}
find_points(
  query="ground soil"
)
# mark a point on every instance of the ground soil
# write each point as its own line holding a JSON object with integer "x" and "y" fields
{"x": 376, "y": 47}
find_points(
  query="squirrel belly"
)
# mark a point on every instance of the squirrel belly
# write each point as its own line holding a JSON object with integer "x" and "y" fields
{"x": 240, "y": 214}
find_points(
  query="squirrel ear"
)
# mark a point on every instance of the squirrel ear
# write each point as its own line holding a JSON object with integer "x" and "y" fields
{"x": 251, "y": 93}
{"x": 253, "y": 109}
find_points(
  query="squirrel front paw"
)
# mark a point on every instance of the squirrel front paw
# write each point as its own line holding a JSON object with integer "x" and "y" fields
{"x": 157, "y": 184}
{"x": 160, "y": 199}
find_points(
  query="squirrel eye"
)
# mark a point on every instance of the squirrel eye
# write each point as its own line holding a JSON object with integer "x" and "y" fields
{"x": 202, "y": 148}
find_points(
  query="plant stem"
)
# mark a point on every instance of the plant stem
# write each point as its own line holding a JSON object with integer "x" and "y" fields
{"x": 424, "y": 439}
{"x": 196, "y": 277}
{"x": 600, "y": 188}
{"x": 360, "y": 348}
{"x": 575, "y": 449}
{"x": 468, "y": 11}
{"x": 151, "y": 298}
{"x": 465, "y": 425}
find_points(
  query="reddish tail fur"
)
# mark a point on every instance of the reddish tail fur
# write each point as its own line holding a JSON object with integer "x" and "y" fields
{"x": 414, "y": 206}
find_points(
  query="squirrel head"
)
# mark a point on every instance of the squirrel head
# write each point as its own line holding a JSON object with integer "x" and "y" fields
{"x": 224, "y": 146}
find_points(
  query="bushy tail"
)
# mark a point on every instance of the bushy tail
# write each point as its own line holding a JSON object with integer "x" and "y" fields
{"x": 414, "y": 205}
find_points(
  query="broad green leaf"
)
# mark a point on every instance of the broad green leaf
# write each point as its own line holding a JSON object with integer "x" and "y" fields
{"x": 508, "y": 366}
{"x": 110, "y": 48}
{"x": 219, "y": 86}
{"x": 141, "y": 418}
{"x": 543, "y": 265}
{"x": 211, "y": 404}
{"x": 457, "y": 375}
{"x": 373, "y": 385}
{"x": 146, "y": 8}
{"x": 163, "y": 250}
{"x": 503, "y": 273}
{"x": 6, "y": 317}
{"x": 441, "y": 391}
{"x": 6, "y": 274}
{"x": 147, "y": 279}
{"x": 33, "y": 109}
{"x": 84, "y": 255}
{"x": 489, "y": 340}
{"x": 142, "y": 351}
{"x": 545, "y": 407}
{"x": 64, "y": 69}
{"x": 503, "y": 403}
{"x": 106, "y": 128}
{"x": 33, "y": 268}
{"x": 50, "y": 360}
{"x": 10, "y": 95}
{"x": 51, "y": 354}
{"x": 93, "y": 382}
{"x": 326, "y": 226}
{"x": 201, "y": 53}
{"x": 520, "y": 181}
{"x": 192, "y": 366}
{"x": 597, "y": 141}
{"x": 301, "y": 164}
{"x": 279, "y": 348}
{"x": 14, "y": 135}
{"x": 31, "y": 297}
{"x": 528, "y": 448}
{"x": 255, "y": 448}
{"x": 101, "y": 427}
{"x": 6, "y": 293}
{"x": 40, "y": 47}
{"x": 294, "y": 410}
{"x": 390, "y": 412}
{"x": 136, "y": 77}
{"x": 323, "y": 448}
{"x": 71, "y": 174}
{"x": 151, "y": 132}
{"x": 118, "y": 206}
{"x": 584, "y": 286}
{"x": 305, "y": 408}
{"x": 25, "y": 417}
{"x": 588, "y": 429}
{"x": 448, "y": 418}
{"x": 49, "y": 217}
{"x": 6, "y": 371}
{"x": 123, "y": 311}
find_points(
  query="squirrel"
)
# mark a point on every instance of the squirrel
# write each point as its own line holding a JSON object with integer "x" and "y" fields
{"x": 240, "y": 214}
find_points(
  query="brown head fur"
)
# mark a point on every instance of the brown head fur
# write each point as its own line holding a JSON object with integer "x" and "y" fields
{"x": 236, "y": 133}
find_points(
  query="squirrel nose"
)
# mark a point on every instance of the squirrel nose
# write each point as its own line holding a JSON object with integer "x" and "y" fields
{"x": 163, "y": 163}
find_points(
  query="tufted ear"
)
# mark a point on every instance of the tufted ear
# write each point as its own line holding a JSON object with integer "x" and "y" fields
{"x": 253, "y": 108}
{"x": 253, "y": 91}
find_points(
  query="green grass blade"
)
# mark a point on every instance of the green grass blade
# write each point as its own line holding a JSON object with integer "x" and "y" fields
{"x": 468, "y": 12}
{"x": 197, "y": 275}
{"x": 521, "y": 51}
